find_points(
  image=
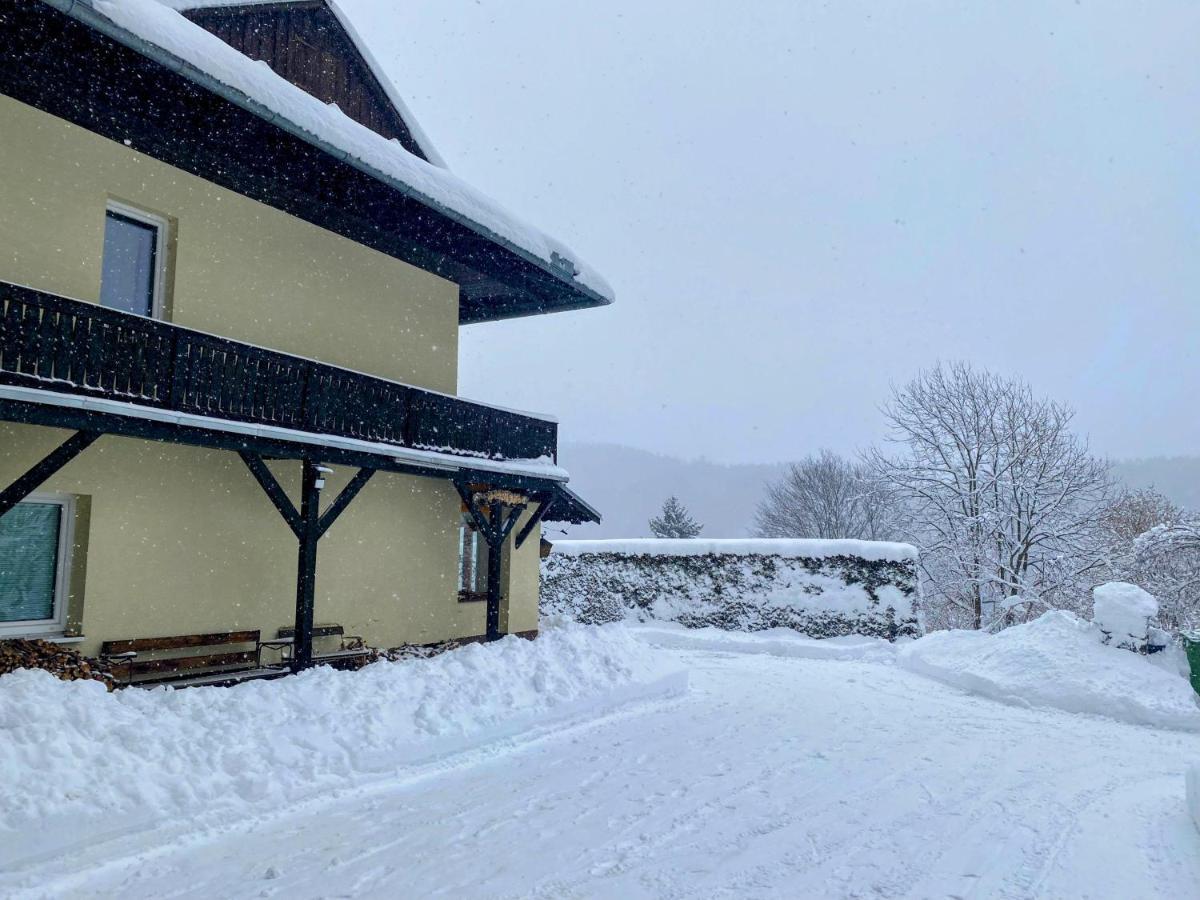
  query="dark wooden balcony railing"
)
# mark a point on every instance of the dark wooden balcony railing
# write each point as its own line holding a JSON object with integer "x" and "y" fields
{"x": 64, "y": 345}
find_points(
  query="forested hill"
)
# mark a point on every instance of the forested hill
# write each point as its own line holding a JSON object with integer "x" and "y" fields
{"x": 629, "y": 486}
{"x": 1176, "y": 476}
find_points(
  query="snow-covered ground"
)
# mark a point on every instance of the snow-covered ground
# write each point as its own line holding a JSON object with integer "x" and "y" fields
{"x": 80, "y": 763}
{"x": 790, "y": 768}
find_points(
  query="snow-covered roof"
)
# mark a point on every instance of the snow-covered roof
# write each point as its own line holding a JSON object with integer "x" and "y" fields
{"x": 389, "y": 87}
{"x": 794, "y": 548}
{"x": 164, "y": 34}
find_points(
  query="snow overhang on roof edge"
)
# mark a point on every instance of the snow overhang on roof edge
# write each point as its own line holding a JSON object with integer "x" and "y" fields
{"x": 389, "y": 87}
{"x": 166, "y": 36}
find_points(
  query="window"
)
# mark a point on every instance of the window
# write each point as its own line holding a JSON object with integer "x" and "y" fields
{"x": 35, "y": 549}
{"x": 134, "y": 256}
{"x": 472, "y": 563}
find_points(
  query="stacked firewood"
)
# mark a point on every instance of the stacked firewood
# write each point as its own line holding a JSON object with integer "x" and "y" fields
{"x": 413, "y": 651}
{"x": 67, "y": 664}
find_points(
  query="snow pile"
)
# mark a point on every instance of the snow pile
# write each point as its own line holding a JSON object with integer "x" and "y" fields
{"x": 1123, "y": 612}
{"x": 79, "y": 762}
{"x": 1060, "y": 661}
{"x": 819, "y": 588}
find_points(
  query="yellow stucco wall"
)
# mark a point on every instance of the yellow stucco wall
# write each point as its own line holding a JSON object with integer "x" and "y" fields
{"x": 241, "y": 269}
{"x": 182, "y": 540}
{"x": 521, "y": 581}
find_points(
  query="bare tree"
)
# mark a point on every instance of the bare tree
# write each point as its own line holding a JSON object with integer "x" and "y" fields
{"x": 1131, "y": 513}
{"x": 1004, "y": 498}
{"x": 826, "y": 496}
{"x": 1166, "y": 562}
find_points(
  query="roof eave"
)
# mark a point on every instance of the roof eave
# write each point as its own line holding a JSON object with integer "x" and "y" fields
{"x": 569, "y": 507}
{"x": 579, "y": 295}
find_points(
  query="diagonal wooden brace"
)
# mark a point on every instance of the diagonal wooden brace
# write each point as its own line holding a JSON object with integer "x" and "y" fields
{"x": 44, "y": 470}
{"x": 349, "y": 492}
{"x": 274, "y": 491}
{"x": 535, "y": 519}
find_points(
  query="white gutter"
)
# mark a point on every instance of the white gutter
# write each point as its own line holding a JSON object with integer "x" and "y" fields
{"x": 430, "y": 459}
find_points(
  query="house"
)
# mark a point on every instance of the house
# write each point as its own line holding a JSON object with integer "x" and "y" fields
{"x": 232, "y": 273}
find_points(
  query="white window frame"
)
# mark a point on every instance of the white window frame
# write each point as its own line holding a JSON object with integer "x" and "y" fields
{"x": 57, "y": 623}
{"x": 467, "y": 530}
{"x": 160, "y": 226}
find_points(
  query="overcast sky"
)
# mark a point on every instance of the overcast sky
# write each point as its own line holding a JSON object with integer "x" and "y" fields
{"x": 800, "y": 203}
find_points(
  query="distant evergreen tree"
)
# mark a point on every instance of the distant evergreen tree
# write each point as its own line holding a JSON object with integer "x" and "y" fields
{"x": 674, "y": 522}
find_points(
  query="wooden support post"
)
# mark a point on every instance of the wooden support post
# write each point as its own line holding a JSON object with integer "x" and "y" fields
{"x": 306, "y": 570}
{"x": 495, "y": 528}
{"x": 495, "y": 561}
{"x": 497, "y": 537}
{"x": 309, "y": 526}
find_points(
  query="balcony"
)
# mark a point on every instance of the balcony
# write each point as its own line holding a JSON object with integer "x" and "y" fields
{"x": 97, "y": 371}
{"x": 52, "y": 343}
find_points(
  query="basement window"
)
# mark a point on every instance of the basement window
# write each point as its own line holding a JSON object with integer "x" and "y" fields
{"x": 134, "y": 259}
{"x": 35, "y": 549}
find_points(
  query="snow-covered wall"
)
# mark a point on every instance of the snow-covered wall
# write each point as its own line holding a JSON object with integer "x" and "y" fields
{"x": 820, "y": 588}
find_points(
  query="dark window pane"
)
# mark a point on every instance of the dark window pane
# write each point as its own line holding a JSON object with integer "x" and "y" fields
{"x": 29, "y": 561}
{"x": 127, "y": 282}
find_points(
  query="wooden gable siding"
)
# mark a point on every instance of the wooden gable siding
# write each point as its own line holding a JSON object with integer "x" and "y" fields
{"x": 306, "y": 44}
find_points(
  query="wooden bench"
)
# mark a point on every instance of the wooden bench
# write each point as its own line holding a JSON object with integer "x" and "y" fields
{"x": 351, "y": 653}
{"x": 217, "y": 665}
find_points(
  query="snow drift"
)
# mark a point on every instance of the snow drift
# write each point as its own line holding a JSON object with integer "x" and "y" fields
{"x": 1193, "y": 792}
{"x": 783, "y": 642}
{"x": 820, "y": 588}
{"x": 80, "y": 763}
{"x": 1057, "y": 660}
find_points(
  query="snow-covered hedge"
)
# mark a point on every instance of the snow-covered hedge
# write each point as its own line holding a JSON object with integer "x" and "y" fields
{"x": 80, "y": 763}
{"x": 820, "y": 588}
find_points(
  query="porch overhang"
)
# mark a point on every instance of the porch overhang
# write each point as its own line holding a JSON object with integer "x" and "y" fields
{"x": 96, "y": 372}
{"x": 569, "y": 507}
{"x": 32, "y": 406}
